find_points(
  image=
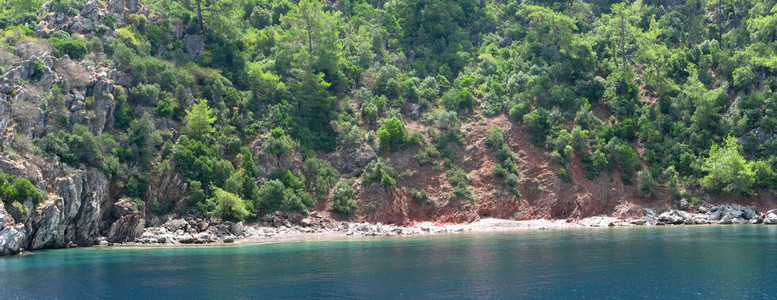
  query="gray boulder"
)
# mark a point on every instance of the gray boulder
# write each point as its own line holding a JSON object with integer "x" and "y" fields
{"x": 352, "y": 159}
{"x": 771, "y": 217}
{"x": 675, "y": 217}
{"x": 194, "y": 44}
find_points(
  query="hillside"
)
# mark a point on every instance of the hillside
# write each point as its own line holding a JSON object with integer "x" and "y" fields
{"x": 121, "y": 115}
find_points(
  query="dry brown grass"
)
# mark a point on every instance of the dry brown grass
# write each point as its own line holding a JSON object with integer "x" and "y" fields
{"x": 74, "y": 73}
{"x": 29, "y": 48}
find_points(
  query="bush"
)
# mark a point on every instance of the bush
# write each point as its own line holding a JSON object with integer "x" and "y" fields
{"x": 495, "y": 137}
{"x": 538, "y": 123}
{"x": 226, "y": 205}
{"x": 83, "y": 147}
{"x": 145, "y": 94}
{"x": 159, "y": 208}
{"x": 645, "y": 182}
{"x": 491, "y": 105}
{"x": 512, "y": 180}
{"x": 459, "y": 99}
{"x": 379, "y": 170}
{"x": 320, "y": 176}
{"x": 278, "y": 142}
{"x": 196, "y": 195}
{"x": 75, "y": 49}
{"x": 427, "y": 155}
{"x": 342, "y": 199}
{"x": 727, "y": 170}
{"x": 369, "y": 112}
{"x": 518, "y": 111}
{"x": 167, "y": 107}
{"x": 499, "y": 171}
{"x": 419, "y": 195}
{"x": 448, "y": 120}
{"x": 17, "y": 189}
{"x": 564, "y": 175}
{"x": 458, "y": 179}
{"x": 275, "y": 195}
{"x": 391, "y": 133}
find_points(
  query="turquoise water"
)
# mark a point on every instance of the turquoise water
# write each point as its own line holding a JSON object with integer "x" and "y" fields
{"x": 732, "y": 262}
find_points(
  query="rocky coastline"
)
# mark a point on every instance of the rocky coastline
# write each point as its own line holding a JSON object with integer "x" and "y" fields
{"x": 199, "y": 229}
{"x": 131, "y": 228}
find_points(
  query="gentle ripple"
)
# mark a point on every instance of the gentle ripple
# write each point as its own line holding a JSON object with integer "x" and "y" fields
{"x": 659, "y": 262}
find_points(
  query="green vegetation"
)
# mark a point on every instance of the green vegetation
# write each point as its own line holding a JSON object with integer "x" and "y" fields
{"x": 727, "y": 170}
{"x": 16, "y": 189}
{"x": 342, "y": 199}
{"x": 379, "y": 171}
{"x": 226, "y": 205}
{"x": 673, "y": 94}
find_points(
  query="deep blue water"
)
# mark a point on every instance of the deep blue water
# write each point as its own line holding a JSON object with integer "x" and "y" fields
{"x": 729, "y": 262}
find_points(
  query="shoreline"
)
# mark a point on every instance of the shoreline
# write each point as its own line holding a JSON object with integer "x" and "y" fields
{"x": 279, "y": 227}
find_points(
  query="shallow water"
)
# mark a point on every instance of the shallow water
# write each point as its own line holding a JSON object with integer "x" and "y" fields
{"x": 646, "y": 262}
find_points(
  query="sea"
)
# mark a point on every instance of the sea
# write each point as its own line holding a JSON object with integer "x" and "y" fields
{"x": 659, "y": 262}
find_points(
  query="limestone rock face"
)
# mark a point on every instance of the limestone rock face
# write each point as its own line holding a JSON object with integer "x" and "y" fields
{"x": 127, "y": 228}
{"x": 128, "y": 224}
{"x": 68, "y": 216}
{"x": 72, "y": 215}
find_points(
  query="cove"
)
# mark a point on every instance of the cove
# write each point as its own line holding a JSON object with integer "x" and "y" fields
{"x": 641, "y": 262}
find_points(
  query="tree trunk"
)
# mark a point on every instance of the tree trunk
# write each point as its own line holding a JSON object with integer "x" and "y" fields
{"x": 199, "y": 16}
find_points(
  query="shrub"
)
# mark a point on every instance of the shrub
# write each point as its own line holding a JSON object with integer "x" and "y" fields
{"x": 275, "y": 195}
{"x": 448, "y": 120}
{"x": 83, "y": 147}
{"x": 518, "y": 111}
{"x": 379, "y": 171}
{"x": 342, "y": 199}
{"x": 199, "y": 120}
{"x": 320, "y": 176}
{"x": 727, "y": 170}
{"x": 369, "y": 112}
{"x": 427, "y": 155}
{"x": 278, "y": 142}
{"x": 564, "y": 175}
{"x": 495, "y": 137}
{"x": 75, "y": 49}
{"x": 159, "y": 208}
{"x": 538, "y": 123}
{"x": 458, "y": 179}
{"x": 512, "y": 180}
{"x": 491, "y": 105}
{"x": 391, "y": 133}
{"x": 110, "y": 21}
{"x": 17, "y": 189}
{"x": 167, "y": 107}
{"x": 499, "y": 171}
{"x": 645, "y": 182}
{"x": 226, "y": 205}
{"x": 419, "y": 195}
{"x": 145, "y": 94}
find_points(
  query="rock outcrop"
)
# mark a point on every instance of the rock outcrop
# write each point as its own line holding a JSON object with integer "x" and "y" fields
{"x": 70, "y": 214}
{"x": 771, "y": 217}
{"x": 129, "y": 222}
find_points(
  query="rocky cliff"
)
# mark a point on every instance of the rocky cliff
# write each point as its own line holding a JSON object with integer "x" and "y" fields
{"x": 74, "y": 194}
